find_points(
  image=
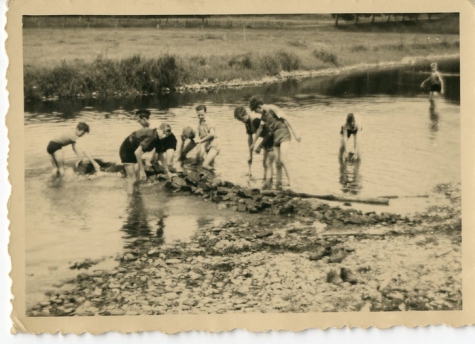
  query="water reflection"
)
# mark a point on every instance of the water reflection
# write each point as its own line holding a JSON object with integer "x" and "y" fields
{"x": 138, "y": 228}
{"x": 350, "y": 178}
{"x": 394, "y": 81}
{"x": 434, "y": 119}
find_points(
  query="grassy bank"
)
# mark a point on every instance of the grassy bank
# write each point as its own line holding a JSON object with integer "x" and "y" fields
{"x": 107, "y": 61}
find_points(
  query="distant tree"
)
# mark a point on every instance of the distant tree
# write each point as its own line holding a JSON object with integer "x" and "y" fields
{"x": 344, "y": 16}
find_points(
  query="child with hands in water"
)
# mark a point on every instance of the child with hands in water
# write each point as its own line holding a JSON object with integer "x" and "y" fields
{"x": 139, "y": 142}
{"x": 70, "y": 137}
{"x": 207, "y": 142}
{"x": 276, "y": 124}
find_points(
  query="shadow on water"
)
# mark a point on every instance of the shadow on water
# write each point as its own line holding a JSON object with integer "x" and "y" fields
{"x": 398, "y": 81}
{"x": 350, "y": 178}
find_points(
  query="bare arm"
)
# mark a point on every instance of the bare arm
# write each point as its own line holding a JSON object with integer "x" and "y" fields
{"x": 208, "y": 137}
{"x": 138, "y": 155}
{"x": 442, "y": 87}
{"x": 281, "y": 114}
{"x": 422, "y": 85}
{"x": 77, "y": 148}
{"x": 164, "y": 165}
{"x": 258, "y": 133}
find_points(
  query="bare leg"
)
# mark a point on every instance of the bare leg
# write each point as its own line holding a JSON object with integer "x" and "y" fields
{"x": 212, "y": 154}
{"x": 55, "y": 164}
{"x": 58, "y": 157}
{"x": 270, "y": 164}
{"x": 264, "y": 164}
{"x": 284, "y": 162}
{"x": 278, "y": 167}
{"x": 132, "y": 178}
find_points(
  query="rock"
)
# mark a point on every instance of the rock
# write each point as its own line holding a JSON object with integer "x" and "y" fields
{"x": 224, "y": 191}
{"x": 216, "y": 182}
{"x": 194, "y": 275}
{"x": 199, "y": 192}
{"x": 402, "y": 307}
{"x": 193, "y": 178}
{"x": 173, "y": 261}
{"x": 97, "y": 292}
{"x": 373, "y": 284}
{"x": 129, "y": 256}
{"x": 264, "y": 234}
{"x": 245, "y": 193}
{"x": 243, "y": 290}
{"x": 153, "y": 251}
{"x": 241, "y": 207}
{"x": 396, "y": 296}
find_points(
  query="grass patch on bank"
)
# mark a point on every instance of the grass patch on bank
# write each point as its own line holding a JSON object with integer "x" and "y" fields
{"x": 71, "y": 63}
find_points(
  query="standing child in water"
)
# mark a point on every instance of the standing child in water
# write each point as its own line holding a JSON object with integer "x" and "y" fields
{"x": 70, "y": 137}
{"x": 204, "y": 137}
{"x": 169, "y": 142}
{"x": 132, "y": 149}
{"x": 252, "y": 124}
{"x": 436, "y": 81}
{"x": 278, "y": 125}
{"x": 351, "y": 127}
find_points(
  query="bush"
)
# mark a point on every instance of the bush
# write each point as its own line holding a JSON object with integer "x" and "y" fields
{"x": 241, "y": 61}
{"x": 325, "y": 57}
{"x": 270, "y": 65}
{"x": 288, "y": 61}
{"x": 356, "y": 48}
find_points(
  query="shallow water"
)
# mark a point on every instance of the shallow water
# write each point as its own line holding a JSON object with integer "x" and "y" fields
{"x": 407, "y": 148}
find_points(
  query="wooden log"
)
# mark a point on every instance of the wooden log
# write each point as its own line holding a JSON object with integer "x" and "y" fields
{"x": 413, "y": 196}
{"x": 339, "y": 198}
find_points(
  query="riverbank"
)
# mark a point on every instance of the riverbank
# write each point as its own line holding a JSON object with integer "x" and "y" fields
{"x": 309, "y": 256}
{"x": 96, "y": 63}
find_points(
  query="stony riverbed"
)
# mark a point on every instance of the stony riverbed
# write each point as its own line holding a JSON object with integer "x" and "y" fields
{"x": 270, "y": 263}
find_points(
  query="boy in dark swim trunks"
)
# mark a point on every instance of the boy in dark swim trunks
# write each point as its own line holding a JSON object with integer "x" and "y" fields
{"x": 436, "y": 81}
{"x": 351, "y": 127}
{"x": 55, "y": 150}
{"x": 169, "y": 142}
{"x": 137, "y": 143}
{"x": 252, "y": 123}
{"x": 278, "y": 125}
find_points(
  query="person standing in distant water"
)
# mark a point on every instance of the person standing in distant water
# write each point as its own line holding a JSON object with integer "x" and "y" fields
{"x": 70, "y": 137}
{"x": 351, "y": 127}
{"x": 132, "y": 149}
{"x": 169, "y": 142}
{"x": 252, "y": 124}
{"x": 207, "y": 142}
{"x": 436, "y": 81}
{"x": 278, "y": 125}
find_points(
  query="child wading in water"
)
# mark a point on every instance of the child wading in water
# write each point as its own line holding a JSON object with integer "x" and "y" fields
{"x": 277, "y": 124}
{"x": 349, "y": 128}
{"x": 252, "y": 124}
{"x": 169, "y": 142}
{"x": 55, "y": 150}
{"x": 137, "y": 143}
{"x": 436, "y": 81}
{"x": 208, "y": 148}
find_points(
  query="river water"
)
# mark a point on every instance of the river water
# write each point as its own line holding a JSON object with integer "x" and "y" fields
{"x": 407, "y": 148}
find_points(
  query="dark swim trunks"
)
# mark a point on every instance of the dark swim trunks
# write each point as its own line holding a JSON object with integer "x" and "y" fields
{"x": 53, "y": 147}
{"x": 435, "y": 88}
{"x": 127, "y": 151}
{"x": 349, "y": 132}
{"x": 169, "y": 142}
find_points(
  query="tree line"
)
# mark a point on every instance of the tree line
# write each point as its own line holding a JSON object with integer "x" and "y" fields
{"x": 354, "y": 17}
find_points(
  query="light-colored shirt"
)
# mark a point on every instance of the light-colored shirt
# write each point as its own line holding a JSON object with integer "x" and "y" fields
{"x": 66, "y": 138}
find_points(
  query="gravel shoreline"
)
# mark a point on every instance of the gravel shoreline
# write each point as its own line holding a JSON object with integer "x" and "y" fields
{"x": 270, "y": 263}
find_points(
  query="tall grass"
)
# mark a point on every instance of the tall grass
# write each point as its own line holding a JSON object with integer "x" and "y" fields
{"x": 144, "y": 75}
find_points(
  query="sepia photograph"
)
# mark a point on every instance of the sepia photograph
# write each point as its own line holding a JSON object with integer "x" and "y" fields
{"x": 241, "y": 164}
